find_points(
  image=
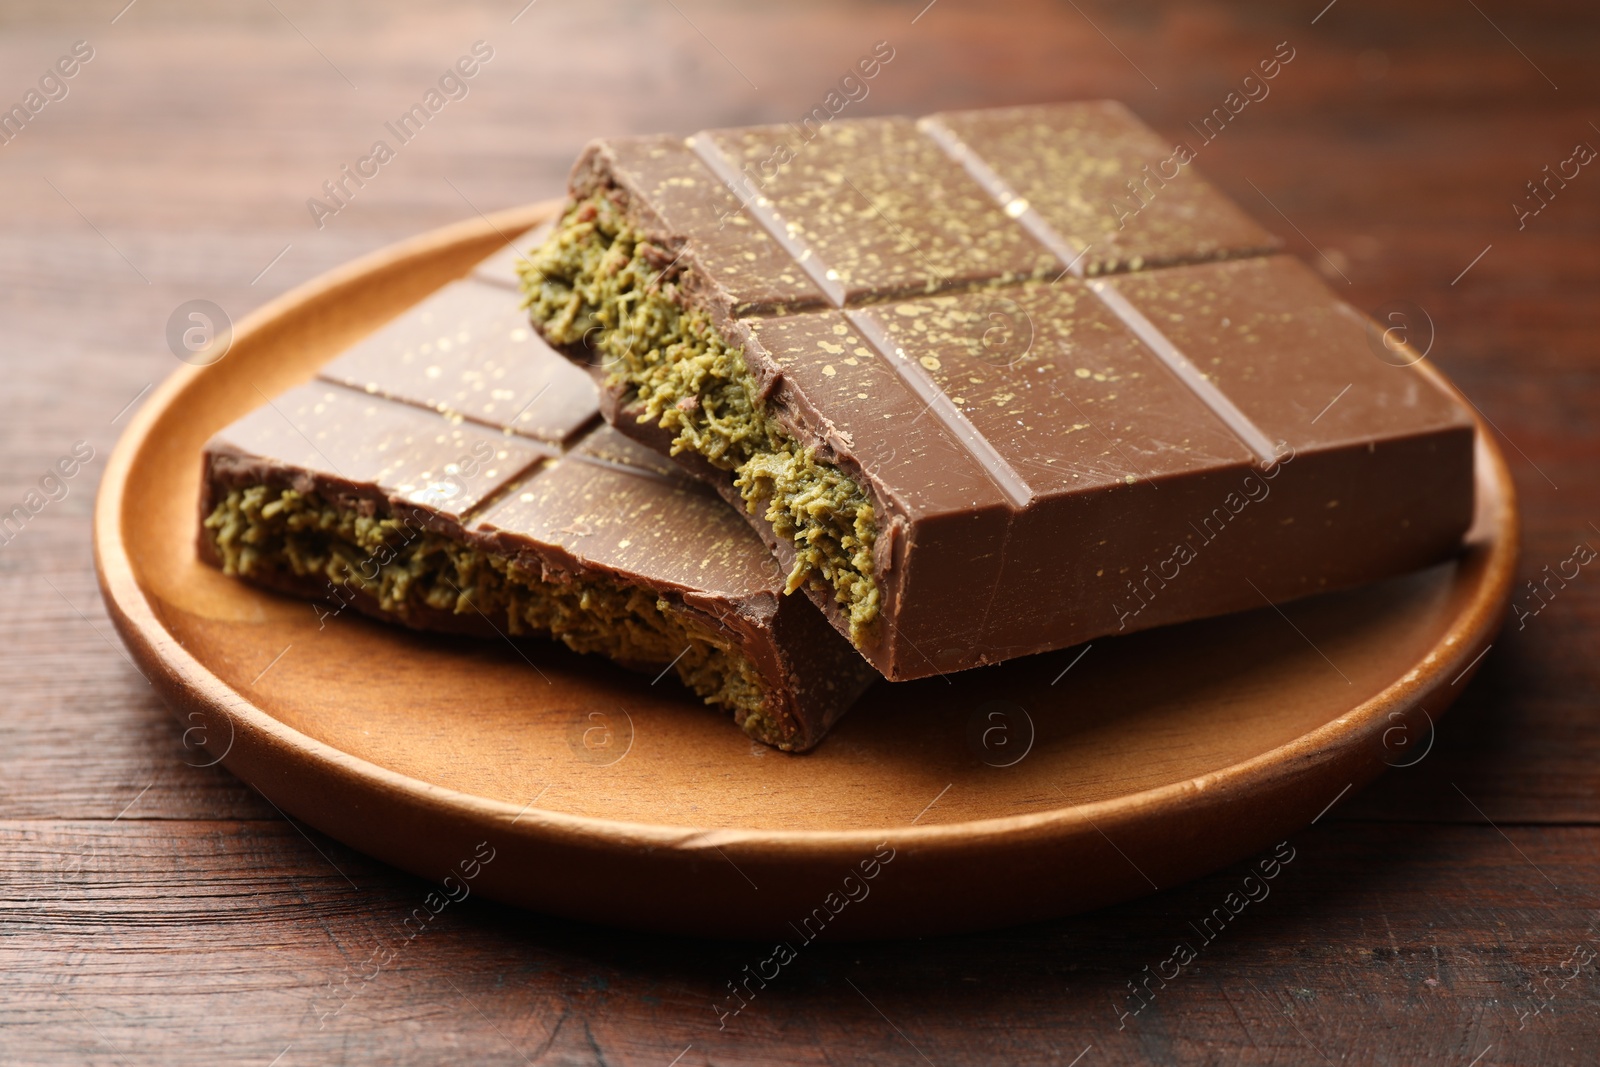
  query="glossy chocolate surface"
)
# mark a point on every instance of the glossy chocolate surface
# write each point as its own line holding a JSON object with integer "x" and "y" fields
{"x": 1085, "y": 393}
{"x": 459, "y": 416}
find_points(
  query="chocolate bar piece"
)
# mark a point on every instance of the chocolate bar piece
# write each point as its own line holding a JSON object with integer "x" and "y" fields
{"x": 451, "y": 473}
{"x": 997, "y": 382}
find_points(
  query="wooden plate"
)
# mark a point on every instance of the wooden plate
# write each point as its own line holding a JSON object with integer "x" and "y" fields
{"x": 1041, "y": 787}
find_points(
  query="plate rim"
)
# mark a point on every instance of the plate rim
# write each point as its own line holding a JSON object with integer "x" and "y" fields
{"x": 185, "y": 677}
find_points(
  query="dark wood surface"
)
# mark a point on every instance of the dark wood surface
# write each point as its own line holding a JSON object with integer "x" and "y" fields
{"x": 156, "y": 912}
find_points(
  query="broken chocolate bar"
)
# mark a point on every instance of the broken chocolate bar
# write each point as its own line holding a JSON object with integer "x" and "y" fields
{"x": 451, "y": 473}
{"x": 996, "y": 382}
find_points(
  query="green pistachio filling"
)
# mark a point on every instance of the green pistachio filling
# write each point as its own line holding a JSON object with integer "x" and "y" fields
{"x": 402, "y": 567}
{"x": 597, "y": 281}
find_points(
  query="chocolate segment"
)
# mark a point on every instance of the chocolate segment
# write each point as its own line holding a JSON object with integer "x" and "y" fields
{"x": 871, "y": 209}
{"x": 468, "y": 351}
{"x": 1097, "y": 186}
{"x": 450, "y": 473}
{"x": 678, "y": 195}
{"x": 1052, "y": 390}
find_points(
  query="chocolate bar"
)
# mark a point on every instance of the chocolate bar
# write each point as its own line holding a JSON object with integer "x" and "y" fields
{"x": 996, "y": 382}
{"x": 451, "y": 473}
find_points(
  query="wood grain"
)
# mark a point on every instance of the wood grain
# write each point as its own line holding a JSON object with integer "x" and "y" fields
{"x": 206, "y": 926}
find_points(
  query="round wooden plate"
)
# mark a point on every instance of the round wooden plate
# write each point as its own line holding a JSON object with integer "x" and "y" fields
{"x": 1037, "y": 788}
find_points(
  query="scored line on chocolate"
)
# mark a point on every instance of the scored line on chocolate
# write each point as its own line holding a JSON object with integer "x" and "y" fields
{"x": 1014, "y": 206}
{"x": 989, "y": 459}
{"x": 992, "y": 463}
{"x": 576, "y": 456}
{"x": 549, "y": 453}
{"x": 768, "y": 219}
{"x": 508, "y": 427}
{"x": 1018, "y": 208}
{"x": 512, "y": 485}
{"x": 1036, "y": 226}
{"x": 1204, "y": 389}
{"x": 545, "y": 453}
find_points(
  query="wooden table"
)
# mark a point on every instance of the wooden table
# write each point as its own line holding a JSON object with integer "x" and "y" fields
{"x": 158, "y": 912}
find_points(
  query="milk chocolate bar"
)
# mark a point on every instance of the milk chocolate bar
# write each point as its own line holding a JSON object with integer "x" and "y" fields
{"x": 996, "y": 382}
{"x": 451, "y": 473}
